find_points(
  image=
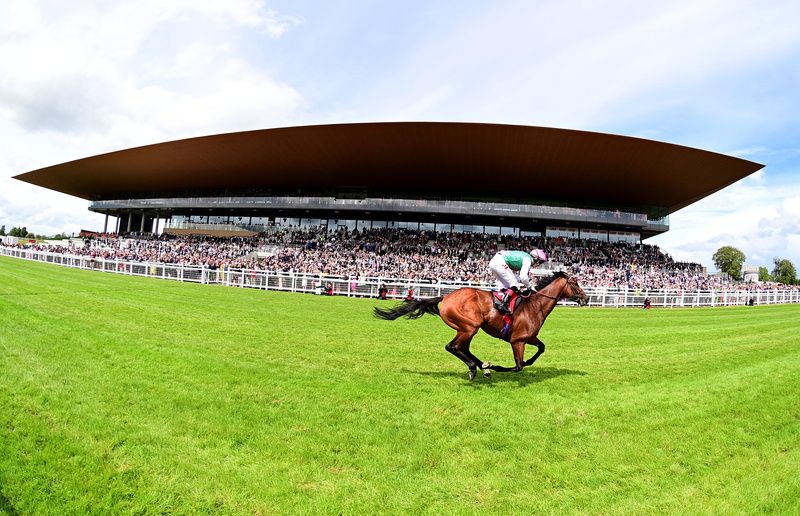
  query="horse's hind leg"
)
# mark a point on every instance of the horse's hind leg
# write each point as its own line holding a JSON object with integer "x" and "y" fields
{"x": 539, "y": 350}
{"x": 456, "y": 347}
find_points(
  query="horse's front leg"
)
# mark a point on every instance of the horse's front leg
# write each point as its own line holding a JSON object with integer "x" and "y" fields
{"x": 539, "y": 350}
{"x": 518, "y": 347}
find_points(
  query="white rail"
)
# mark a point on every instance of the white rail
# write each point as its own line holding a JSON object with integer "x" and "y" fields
{"x": 368, "y": 287}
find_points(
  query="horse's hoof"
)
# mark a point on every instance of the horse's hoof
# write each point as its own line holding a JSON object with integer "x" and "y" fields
{"x": 486, "y": 365}
{"x": 472, "y": 373}
{"x": 487, "y": 373}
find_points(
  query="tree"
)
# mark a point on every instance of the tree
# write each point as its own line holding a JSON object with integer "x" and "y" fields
{"x": 784, "y": 272}
{"x": 763, "y": 274}
{"x": 3, "y": 230}
{"x": 729, "y": 260}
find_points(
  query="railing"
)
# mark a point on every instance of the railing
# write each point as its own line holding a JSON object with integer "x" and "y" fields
{"x": 368, "y": 287}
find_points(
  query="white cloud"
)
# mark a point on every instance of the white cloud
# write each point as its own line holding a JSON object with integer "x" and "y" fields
{"x": 586, "y": 64}
{"x": 91, "y": 69}
{"x": 83, "y": 78}
{"x": 758, "y": 216}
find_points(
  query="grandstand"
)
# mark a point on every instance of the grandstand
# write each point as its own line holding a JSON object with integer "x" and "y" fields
{"x": 436, "y": 177}
{"x": 404, "y": 202}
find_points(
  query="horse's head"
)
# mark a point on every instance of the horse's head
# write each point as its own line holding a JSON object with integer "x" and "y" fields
{"x": 574, "y": 292}
{"x": 552, "y": 287}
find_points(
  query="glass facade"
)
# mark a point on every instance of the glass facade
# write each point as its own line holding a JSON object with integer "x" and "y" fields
{"x": 624, "y": 236}
{"x": 494, "y": 218}
{"x": 361, "y": 224}
{"x": 594, "y": 234}
{"x": 561, "y": 232}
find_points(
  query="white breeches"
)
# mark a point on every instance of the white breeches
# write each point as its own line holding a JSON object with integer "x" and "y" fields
{"x": 506, "y": 277}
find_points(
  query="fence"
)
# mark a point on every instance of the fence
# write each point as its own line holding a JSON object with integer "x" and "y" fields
{"x": 368, "y": 287}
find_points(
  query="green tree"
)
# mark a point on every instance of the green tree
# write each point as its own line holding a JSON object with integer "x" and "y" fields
{"x": 3, "y": 230}
{"x": 784, "y": 272}
{"x": 763, "y": 274}
{"x": 729, "y": 260}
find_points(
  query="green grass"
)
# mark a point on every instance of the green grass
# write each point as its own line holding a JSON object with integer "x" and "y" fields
{"x": 122, "y": 394}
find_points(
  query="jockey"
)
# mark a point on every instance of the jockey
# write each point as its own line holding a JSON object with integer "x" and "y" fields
{"x": 511, "y": 270}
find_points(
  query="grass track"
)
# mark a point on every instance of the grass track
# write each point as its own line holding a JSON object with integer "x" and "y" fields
{"x": 122, "y": 394}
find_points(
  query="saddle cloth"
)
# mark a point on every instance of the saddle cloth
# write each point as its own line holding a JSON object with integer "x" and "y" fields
{"x": 513, "y": 304}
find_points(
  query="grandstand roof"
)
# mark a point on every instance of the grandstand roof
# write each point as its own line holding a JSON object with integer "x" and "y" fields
{"x": 430, "y": 159}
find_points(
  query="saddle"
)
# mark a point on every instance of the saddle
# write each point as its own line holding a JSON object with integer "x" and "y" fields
{"x": 513, "y": 304}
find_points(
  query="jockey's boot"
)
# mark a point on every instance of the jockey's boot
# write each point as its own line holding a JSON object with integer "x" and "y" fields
{"x": 507, "y": 296}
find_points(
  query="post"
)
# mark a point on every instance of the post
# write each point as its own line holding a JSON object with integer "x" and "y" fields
{"x": 105, "y": 226}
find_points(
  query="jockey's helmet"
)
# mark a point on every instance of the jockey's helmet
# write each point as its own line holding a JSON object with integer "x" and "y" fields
{"x": 538, "y": 254}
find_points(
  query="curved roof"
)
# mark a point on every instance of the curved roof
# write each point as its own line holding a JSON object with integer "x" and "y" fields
{"x": 430, "y": 159}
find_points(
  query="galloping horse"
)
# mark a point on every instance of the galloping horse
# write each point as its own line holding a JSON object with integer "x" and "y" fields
{"x": 468, "y": 310}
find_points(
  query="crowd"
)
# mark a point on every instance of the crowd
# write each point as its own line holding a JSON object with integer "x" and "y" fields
{"x": 395, "y": 253}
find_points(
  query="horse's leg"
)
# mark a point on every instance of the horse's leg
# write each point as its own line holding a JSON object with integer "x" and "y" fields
{"x": 539, "y": 350}
{"x": 485, "y": 366}
{"x": 456, "y": 347}
{"x": 518, "y": 347}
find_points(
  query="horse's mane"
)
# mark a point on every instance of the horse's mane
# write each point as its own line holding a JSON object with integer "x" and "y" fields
{"x": 549, "y": 279}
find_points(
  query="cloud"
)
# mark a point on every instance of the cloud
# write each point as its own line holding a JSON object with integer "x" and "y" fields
{"x": 100, "y": 68}
{"x": 624, "y": 67}
{"x": 759, "y": 216}
{"x": 82, "y": 78}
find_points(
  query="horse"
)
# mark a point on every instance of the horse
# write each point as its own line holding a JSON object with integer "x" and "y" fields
{"x": 468, "y": 310}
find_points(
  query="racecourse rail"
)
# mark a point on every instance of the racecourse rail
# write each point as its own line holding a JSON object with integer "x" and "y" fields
{"x": 368, "y": 287}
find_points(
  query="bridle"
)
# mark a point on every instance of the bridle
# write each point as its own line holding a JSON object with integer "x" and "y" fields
{"x": 570, "y": 280}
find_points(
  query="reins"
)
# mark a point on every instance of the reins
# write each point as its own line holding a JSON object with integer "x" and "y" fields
{"x": 557, "y": 298}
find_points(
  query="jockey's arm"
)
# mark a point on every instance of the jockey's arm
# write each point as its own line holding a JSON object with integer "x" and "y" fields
{"x": 524, "y": 278}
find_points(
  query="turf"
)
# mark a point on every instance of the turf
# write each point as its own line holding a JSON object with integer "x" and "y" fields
{"x": 133, "y": 395}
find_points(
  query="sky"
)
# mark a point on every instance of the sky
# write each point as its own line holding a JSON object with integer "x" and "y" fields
{"x": 84, "y": 77}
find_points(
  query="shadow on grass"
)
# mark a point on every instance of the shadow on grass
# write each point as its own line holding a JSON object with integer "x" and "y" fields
{"x": 526, "y": 377}
{"x": 5, "y": 505}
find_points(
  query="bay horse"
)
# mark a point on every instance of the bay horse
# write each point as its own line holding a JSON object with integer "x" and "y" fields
{"x": 468, "y": 310}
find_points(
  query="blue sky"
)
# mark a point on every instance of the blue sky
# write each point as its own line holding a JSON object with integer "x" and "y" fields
{"x": 95, "y": 76}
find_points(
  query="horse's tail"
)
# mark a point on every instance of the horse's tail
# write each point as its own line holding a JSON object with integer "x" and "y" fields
{"x": 410, "y": 309}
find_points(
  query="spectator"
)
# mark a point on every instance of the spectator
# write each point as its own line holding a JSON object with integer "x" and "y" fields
{"x": 420, "y": 256}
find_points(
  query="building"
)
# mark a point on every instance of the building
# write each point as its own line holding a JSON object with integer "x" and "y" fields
{"x": 491, "y": 178}
{"x": 750, "y": 273}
